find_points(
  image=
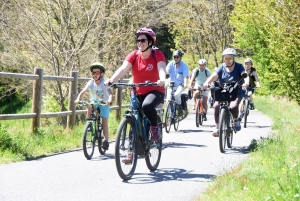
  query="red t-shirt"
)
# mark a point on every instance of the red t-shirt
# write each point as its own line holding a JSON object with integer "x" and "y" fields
{"x": 145, "y": 70}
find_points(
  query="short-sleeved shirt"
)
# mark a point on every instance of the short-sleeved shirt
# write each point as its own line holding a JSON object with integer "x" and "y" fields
{"x": 177, "y": 74}
{"x": 201, "y": 78}
{"x": 98, "y": 92}
{"x": 145, "y": 70}
{"x": 234, "y": 75}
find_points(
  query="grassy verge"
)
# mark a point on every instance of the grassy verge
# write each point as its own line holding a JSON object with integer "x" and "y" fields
{"x": 272, "y": 171}
{"x": 17, "y": 143}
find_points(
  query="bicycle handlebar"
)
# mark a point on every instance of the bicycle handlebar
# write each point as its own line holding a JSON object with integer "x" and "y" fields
{"x": 84, "y": 103}
{"x": 147, "y": 83}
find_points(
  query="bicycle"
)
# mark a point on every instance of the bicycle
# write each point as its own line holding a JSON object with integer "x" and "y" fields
{"x": 199, "y": 106}
{"x": 134, "y": 130}
{"x": 246, "y": 106}
{"x": 93, "y": 131}
{"x": 172, "y": 112}
{"x": 224, "y": 93}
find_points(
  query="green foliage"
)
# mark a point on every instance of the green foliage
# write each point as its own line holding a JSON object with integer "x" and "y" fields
{"x": 272, "y": 170}
{"x": 270, "y": 31}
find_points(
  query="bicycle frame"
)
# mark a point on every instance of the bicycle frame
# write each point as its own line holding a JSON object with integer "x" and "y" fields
{"x": 229, "y": 117}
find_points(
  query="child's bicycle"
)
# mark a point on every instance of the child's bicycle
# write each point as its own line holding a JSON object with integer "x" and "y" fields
{"x": 134, "y": 130}
{"x": 93, "y": 131}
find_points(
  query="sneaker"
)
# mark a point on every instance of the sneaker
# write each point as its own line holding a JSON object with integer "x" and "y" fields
{"x": 204, "y": 117}
{"x": 105, "y": 145}
{"x": 155, "y": 133}
{"x": 128, "y": 160}
{"x": 215, "y": 133}
{"x": 252, "y": 106}
{"x": 237, "y": 125}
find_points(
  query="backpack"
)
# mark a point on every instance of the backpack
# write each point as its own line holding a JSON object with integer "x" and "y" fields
{"x": 153, "y": 53}
{"x": 197, "y": 72}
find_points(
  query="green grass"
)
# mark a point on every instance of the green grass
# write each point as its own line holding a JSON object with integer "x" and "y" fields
{"x": 272, "y": 171}
{"x": 17, "y": 143}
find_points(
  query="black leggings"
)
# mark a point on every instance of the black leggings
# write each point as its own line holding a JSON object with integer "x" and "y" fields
{"x": 149, "y": 102}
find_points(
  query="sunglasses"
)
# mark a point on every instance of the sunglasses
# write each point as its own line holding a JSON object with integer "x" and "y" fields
{"x": 176, "y": 57}
{"x": 141, "y": 40}
{"x": 96, "y": 73}
{"x": 227, "y": 59}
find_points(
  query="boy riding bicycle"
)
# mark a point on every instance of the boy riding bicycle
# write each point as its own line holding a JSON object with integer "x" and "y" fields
{"x": 98, "y": 92}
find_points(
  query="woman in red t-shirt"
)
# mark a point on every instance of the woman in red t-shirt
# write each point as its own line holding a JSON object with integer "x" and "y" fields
{"x": 146, "y": 65}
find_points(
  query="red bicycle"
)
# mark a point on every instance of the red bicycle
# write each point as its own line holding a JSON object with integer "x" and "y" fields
{"x": 199, "y": 106}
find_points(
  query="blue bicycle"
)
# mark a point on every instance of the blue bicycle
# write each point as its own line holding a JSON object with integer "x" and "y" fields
{"x": 134, "y": 136}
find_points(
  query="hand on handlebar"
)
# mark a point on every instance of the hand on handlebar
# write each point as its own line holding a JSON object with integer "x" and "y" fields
{"x": 160, "y": 82}
{"x": 108, "y": 82}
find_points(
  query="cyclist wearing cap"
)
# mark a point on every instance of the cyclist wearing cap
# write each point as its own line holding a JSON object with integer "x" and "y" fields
{"x": 200, "y": 75}
{"x": 230, "y": 70}
{"x": 98, "y": 92}
{"x": 146, "y": 64}
{"x": 179, "y": 73}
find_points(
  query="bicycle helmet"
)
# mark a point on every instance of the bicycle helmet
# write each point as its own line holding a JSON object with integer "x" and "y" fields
{"x": 248, "y": 60}
{"x": 178, "y": 53}
{"x": 229, "y": 51}
{"x": 97, "y": 65}
{"x": 147, "y": 31}
{"x": 202, "y": 62}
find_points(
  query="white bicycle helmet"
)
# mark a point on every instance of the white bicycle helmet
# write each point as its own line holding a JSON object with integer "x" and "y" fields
{"x": 202, "y": 62}
{"x": 248, "y": 60}
{"x": 229, "y": 51}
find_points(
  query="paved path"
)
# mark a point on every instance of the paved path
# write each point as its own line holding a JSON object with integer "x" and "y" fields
{"x": 190, "y": 159}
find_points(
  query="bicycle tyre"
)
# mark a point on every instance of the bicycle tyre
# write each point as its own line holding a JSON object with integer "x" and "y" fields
{"x": 176, "y": 123}
{"x": 88, "y": 141}
{"x": 168, "y": 118}
{"x": 201, "y": 112}
{"x": 124, "y": 137}
{"x": 100, "y": 139}
{"x": 246, "y": 112}
{"x": 222, "y": 130}
{"x": 230, "y": 138}
{"x": 154, "y": 154}
{"x": 197, "y": 114}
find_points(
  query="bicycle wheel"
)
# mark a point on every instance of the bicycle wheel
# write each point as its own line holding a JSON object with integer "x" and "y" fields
{"x": 200, "y": 117}
{"x": 176, "y": 120}
{"x": 246, "y": 112}
{"x": 230, "y": 137}
{"x": 168, "y": 118}
{"x": 88, "y": 142}
{"x": 126, "y": 144}
{"x": 100, "y": 140}
{"x": 222, "y": 130}
{"x": 154, "y": 154}
{"x": 197, "y": 114}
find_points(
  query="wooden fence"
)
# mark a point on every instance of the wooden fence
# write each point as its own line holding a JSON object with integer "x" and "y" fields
{"x": 37, "y": 97}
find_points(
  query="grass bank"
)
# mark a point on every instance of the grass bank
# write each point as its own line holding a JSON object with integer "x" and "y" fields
{"x": 18, "y": 144}
{"x": 272, "y": 171}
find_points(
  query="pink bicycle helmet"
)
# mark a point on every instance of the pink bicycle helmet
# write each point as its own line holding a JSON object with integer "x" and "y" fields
{"x": 147, "y": 31}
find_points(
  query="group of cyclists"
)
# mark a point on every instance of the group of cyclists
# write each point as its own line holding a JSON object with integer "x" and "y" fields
{"x": 149, "y": 64}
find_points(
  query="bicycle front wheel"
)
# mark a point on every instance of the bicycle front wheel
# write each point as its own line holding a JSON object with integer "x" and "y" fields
{"x": 246, "y": 112}
{"x": 88, "y": 141}
{"x": 222, "y": 130}
{"x": 168, "y": 118}
{"x": 177, "y": 117}
{"x": 199, "y": 116}
{"x": 154, "y": 154}
{"x": 100, "y": 140}
{"x": 126, "y": 147}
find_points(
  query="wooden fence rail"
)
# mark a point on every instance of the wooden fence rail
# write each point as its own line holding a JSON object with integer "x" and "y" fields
{"x": 37, "y": 97}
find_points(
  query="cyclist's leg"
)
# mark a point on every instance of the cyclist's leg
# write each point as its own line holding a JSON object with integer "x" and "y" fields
{"x": 251, "y": 92}
{"x": 104, "y": 114}
{"x": 177, "y": 95}
{"x": 234, "y": 109}
{"x": 149, "y": 102}
{"x": 205, "y": 107}
{"x": 89, "y": 110}
{"x": 195, "y": 100}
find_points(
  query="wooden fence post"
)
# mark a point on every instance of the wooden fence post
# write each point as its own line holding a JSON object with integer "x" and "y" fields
{"x": 119, "y": 102}
{"x": 37, "y": 99}
{"x": 72, "y": 96}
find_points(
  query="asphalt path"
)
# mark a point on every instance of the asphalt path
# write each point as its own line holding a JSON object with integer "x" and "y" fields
{"x": 190, "y": 159}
